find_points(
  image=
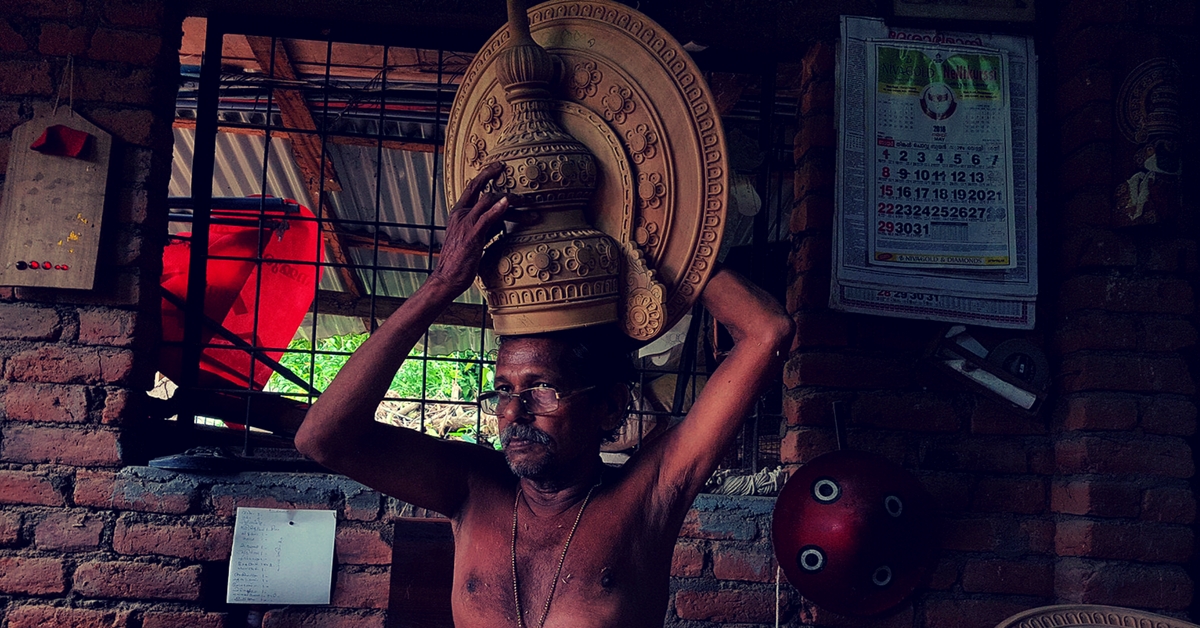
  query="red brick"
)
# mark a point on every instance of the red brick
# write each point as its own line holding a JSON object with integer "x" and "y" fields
{"x": 912, "y": 411}
{"x": 1169, "y": 457}
{"x": 727, "y": 606}
{"x": 1089, "y": 207}
{"x": 1100, "y": 411}
{"x": 144, "y": 13}
{"x": 942, "y": 613}
{"x": 125, "y": 46}
{"x": 1169, "y": 505}
{"x": 25, "y": 487}
{"x": 1090, "y": 124}
{"x": 120, "y": 404}
{"x": 1086, "y": 169}
{"x": 1166, "y": 334}
{"x": 135, "y": 126}
{"x": 1125, "y": 294}
{"x": 115, "y": 85}
{"x": 137, "y": 581}
{"x": 817, "y": 328}
{"x": 293, "y": 618}
{"x": 1037, "y": 536}
{"x": 192, "y": 541}
{"x": 61, "y": 39}
{"x": 816, "y": 131}
{"x": 1124, "y": 541}
{"x": 42, "y": 402}
{"x": 845, "y": 371}
{"x": 183, "y": 619}
{"x": 945, "y": 575}
{"x": 1168, "y": 374}
{"x": 58, "y": 445}
{"x": 1172, "y": 416}
{"x": 43, "y": 616}
{"x": 126, "y": 491}
{"x": 976, "y": 454}
{"x": 688, "y": 560}
{"x": 10, "y": 528}
{"x": 812, "y": 213}
{"x": 950, "y": 491}
{"x": 361, "y": 546}
{"x": 69, "y": 531}
{"x": 807, "y": 291}
{"x": 1097, "y": 498}
{"x": 114, "y": 328}
{"x": 10, "y": 39}
{"x": 992, "y": 417}
{"x": 44, "y": 8}
{"x": 1013, "y": 577}
{"x": 1096, "y": 330}
{"x": 970, "y": 535}
{"x": 19, "y": 77}
{"x": 812, "y": 254}
{"x": 23, "y": 322}
{"x": 1016, "y": 495}
{"x": 735, "y": 562}
{"x": 361, "y": 589}
{"x": 1123, "y": 584}
{"x": 803, "y": 445}
{"x": 61, "y": 364}
{"x": 1171, "y": 256}
{"x": 31, "y": 576}
{"x": 1090, "y": 84}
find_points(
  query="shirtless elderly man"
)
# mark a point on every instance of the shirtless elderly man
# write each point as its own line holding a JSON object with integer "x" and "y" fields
{"x": 544, "y": 533}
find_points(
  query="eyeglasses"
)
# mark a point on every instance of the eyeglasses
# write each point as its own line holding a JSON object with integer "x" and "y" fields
{"x": 536, "y": 400}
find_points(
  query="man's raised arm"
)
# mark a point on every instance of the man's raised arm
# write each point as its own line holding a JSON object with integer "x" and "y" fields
{"x": 762, "y": 334}
{"x": 340, "y": 430}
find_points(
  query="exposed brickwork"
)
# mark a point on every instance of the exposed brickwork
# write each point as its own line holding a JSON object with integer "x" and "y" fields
{"x": 1088, "y": 501}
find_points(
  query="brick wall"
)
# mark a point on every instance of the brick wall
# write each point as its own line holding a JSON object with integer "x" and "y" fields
{"x": 1090, "y": 501}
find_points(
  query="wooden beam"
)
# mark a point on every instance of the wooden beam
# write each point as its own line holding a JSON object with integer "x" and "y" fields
{"x": 412, "y": 147}
{"x": 308, "y": 151}
{"x": 344, "y": 304}
{"x": 367, "y": 242}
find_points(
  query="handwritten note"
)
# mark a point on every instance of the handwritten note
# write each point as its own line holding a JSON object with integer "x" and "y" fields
{"x": 281, "y": 556}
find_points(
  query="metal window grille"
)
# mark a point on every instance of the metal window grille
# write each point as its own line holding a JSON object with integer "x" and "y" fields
{"x": 272, "y": 120}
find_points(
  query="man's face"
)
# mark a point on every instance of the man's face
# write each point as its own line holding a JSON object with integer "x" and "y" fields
{"x": 545, "y": 445}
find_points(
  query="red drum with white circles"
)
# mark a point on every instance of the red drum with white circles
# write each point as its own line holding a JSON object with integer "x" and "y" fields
{"x": 854, "y": 533}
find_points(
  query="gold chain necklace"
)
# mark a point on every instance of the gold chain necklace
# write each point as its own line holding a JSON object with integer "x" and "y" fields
{"x": 561, "y": 559}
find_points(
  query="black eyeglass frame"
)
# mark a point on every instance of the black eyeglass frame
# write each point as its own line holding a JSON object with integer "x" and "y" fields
{"x": 496, "y": 398}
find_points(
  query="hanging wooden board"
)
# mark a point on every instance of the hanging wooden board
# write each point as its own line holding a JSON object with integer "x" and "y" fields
{"x": 53, "y": 202}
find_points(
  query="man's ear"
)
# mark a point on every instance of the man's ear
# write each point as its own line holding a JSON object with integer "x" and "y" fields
{"x": 616, "y": 404}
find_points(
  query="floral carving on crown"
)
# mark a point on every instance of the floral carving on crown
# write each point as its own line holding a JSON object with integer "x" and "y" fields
{"x": 583, "y": 79}
{"x": 618, "y": 104}
{"x": 491, "y": 115}
{"x": 642, "y": 142}
{"x": 651, "y": 190}
{"x": 476, "y": 151}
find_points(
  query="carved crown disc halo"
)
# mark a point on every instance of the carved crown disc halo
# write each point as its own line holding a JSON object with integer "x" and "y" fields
{"x": 625, "y": 138}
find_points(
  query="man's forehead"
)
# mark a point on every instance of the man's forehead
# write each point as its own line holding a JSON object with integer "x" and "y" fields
{"x": 532, "y": 351}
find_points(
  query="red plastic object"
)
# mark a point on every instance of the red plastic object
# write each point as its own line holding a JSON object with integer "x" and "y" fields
{"x": 284, "y": 293}
{"x": 854, "y": 533}
{"x": 62, "y": 141}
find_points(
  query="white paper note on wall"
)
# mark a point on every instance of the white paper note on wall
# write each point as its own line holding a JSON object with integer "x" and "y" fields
{"x": 281, "y": 556}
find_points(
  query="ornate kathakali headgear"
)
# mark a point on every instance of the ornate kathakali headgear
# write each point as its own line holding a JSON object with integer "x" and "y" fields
{"x": 610, "y": 134}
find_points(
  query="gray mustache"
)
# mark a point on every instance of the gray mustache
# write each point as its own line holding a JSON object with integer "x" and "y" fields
{"x": 522, "y": 431}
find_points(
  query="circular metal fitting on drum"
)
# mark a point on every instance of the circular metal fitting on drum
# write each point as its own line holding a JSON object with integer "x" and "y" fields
{"x": 811, "y": 558}
{"x": 826, "y": 491}
{"x": 882, "y": 576}
{"x": 893, "y": 505}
